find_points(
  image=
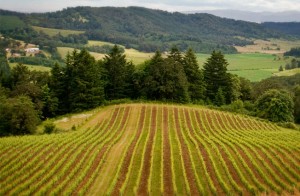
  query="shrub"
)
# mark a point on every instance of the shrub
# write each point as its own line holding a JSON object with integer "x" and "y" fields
{"x": 49, "y": 127}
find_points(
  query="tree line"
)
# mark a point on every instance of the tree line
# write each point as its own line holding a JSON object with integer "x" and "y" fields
{"x": 27, "y": 97}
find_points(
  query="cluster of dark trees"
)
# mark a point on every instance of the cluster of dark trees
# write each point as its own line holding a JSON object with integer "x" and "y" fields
{"x": 293, "y": 52}
{"x": 83, "y": 83}
{"x": 289, "y": 28}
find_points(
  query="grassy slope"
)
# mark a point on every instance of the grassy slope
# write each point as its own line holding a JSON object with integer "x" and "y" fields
{"x": 288, "y": 72}
{"x": 52, "y": 32}
{"x": 274, "y": 154}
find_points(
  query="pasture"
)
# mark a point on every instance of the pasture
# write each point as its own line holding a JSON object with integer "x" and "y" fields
{"x": 269, "y": 46}
{"x": 154, "y": 149}
{"x": 253, "y": 66}
{"x": 53, "y": 32}
{"x": 288, "y": 72}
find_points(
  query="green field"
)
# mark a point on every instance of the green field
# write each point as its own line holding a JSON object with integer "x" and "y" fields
{"x": 253, "y": 66}
{"x": 53, "y": 32}
{"x": 154, "y": 149}
{"x": 33, "y": 67}
{"x": 133, "y": 55}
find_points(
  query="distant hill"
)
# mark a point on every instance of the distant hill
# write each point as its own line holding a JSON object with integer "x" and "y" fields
{"x": 258, "y": 17}
{"x": 290, "y": 28}
{"x": 148, "y": 29}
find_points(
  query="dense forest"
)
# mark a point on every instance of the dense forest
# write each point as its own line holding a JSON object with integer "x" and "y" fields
{"x": 27, "y": 97}
{"x": 289, "y": 28}
{"x": 140, "y": 28}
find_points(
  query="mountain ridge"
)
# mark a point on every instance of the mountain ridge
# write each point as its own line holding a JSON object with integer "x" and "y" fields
{"x": 148, "y": 29}
{"x": 250, "y": 16}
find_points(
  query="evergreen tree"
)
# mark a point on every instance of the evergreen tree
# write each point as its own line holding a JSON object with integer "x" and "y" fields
{"x": 166, "y": 79}
{"x": 84, "y": 81}
{"x": 216, "y": 76}
{"x": 129, "y": 89}
{"x": 194, "y": 76}
{"x": 287, "y": 66}
{"x": 115, "y": 74}
{"x": 175, "y": 85}
{"x": 78, "y": 86}
{"x": 59, "y": 88}
{"x": 176, "y": 55}
{"x": 4, "y": 70}
{"x": 220, "y": 98}
{"x": 154, "y": 79}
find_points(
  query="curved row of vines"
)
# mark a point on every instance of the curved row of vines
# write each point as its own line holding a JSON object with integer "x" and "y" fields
{"x": 169, "y": 150}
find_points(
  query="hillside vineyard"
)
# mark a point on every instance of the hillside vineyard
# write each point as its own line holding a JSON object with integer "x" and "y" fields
{"x": 154, "y": 149}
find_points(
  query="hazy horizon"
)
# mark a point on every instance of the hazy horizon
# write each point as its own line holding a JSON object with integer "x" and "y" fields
{"x": 168, "y": 5}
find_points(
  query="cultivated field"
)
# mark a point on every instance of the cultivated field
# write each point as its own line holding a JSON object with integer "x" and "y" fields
{"x": 270, "y": 46}
{"x": 154, "y": 149}
{"x": 53, "y": 32}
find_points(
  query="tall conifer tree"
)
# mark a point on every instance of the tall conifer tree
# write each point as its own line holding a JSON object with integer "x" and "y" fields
{"x": 216, "y": 76}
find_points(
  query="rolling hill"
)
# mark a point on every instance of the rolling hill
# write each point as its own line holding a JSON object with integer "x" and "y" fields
{"x": 148, "y": 29}
{"x": 153, "y": 149}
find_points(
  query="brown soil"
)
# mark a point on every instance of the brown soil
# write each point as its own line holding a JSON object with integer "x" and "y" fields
{"x": 271, "y": 166}
{"x": 242, "y": 123}
{"x": 167, "y": 168}
{"x": 231, "y": 123}
{"x": 143, "y": 186}
{"x": 198, "y": 117}
{"x": 208, "y": 164}
{"x": 127, "y": 159}
{"x": 250, "y": 165}
{"x": 186, "y": 158}
{"x": 233, "y": 172}
{"x": 221, "y": 123}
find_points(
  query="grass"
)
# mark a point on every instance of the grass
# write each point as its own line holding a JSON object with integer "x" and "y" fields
{"x": 132, "y": 55}
{"x": 255, "y": 75}
{"x": 86, "y": 160}
{"x": 52, "y": 32}
{"x": 253, "y": 66}
{"x": 271, "y": 46}
{"x": 33, "y": 67}
{"x": 288, "y": 72}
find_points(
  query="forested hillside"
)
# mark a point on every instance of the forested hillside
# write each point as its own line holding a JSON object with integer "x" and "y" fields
{"x": 149, "y": 30}
{"x": 290, "y": 28}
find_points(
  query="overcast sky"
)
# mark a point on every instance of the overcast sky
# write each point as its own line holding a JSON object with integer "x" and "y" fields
{"x": 169, "y": 5}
